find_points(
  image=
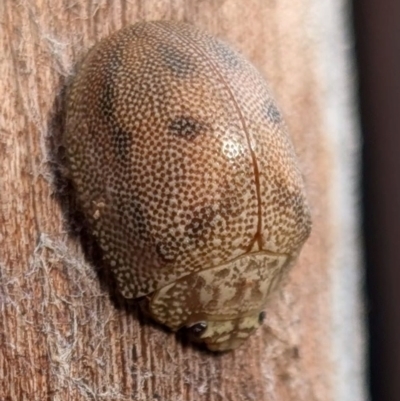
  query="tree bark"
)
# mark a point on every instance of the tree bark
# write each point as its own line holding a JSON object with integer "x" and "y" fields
{"x": 62, "y": 336}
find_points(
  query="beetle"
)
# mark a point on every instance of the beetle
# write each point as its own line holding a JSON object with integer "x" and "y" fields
{"x": 187, "y": 176}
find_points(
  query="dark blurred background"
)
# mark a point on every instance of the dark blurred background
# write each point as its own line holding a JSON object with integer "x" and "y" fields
{"x": 377, "y": 30}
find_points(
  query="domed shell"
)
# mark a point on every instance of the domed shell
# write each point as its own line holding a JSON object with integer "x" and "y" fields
{"x": 179, "y": 157}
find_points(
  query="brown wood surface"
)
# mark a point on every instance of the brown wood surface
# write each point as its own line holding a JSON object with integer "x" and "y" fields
{"x": 61, "y": 336}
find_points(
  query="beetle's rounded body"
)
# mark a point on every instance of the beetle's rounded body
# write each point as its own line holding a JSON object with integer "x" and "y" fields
{"x": 187, "y": 176}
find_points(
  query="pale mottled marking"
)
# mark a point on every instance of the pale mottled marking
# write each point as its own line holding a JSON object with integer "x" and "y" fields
{"x": 187, "y": 176}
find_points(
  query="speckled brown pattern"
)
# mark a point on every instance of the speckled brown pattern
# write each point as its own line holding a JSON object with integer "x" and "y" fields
{"x": 181, "y": 162}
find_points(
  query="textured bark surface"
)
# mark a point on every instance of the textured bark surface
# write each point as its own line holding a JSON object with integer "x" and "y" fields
{"x": 62, "y": 337}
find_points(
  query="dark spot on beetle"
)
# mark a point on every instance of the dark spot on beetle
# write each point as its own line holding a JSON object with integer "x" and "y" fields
{"x": 122, "y": 143}
{"x": 141, "y": 226}
{"x": 131, "y": 210}
{"x": 109, "y": 92}
{"x": 227, "y": 55}
{"x": 120, "y": 138}
{"x": 106, "y": 100}
{"x": 271, "y": 112}
{"x": 186, "y": 127}
{"x": 179, "y": 63}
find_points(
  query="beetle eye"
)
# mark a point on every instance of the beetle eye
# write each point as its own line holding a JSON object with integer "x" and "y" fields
{"x": 197, "y": 329}
{"x": 261, "y": 317}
